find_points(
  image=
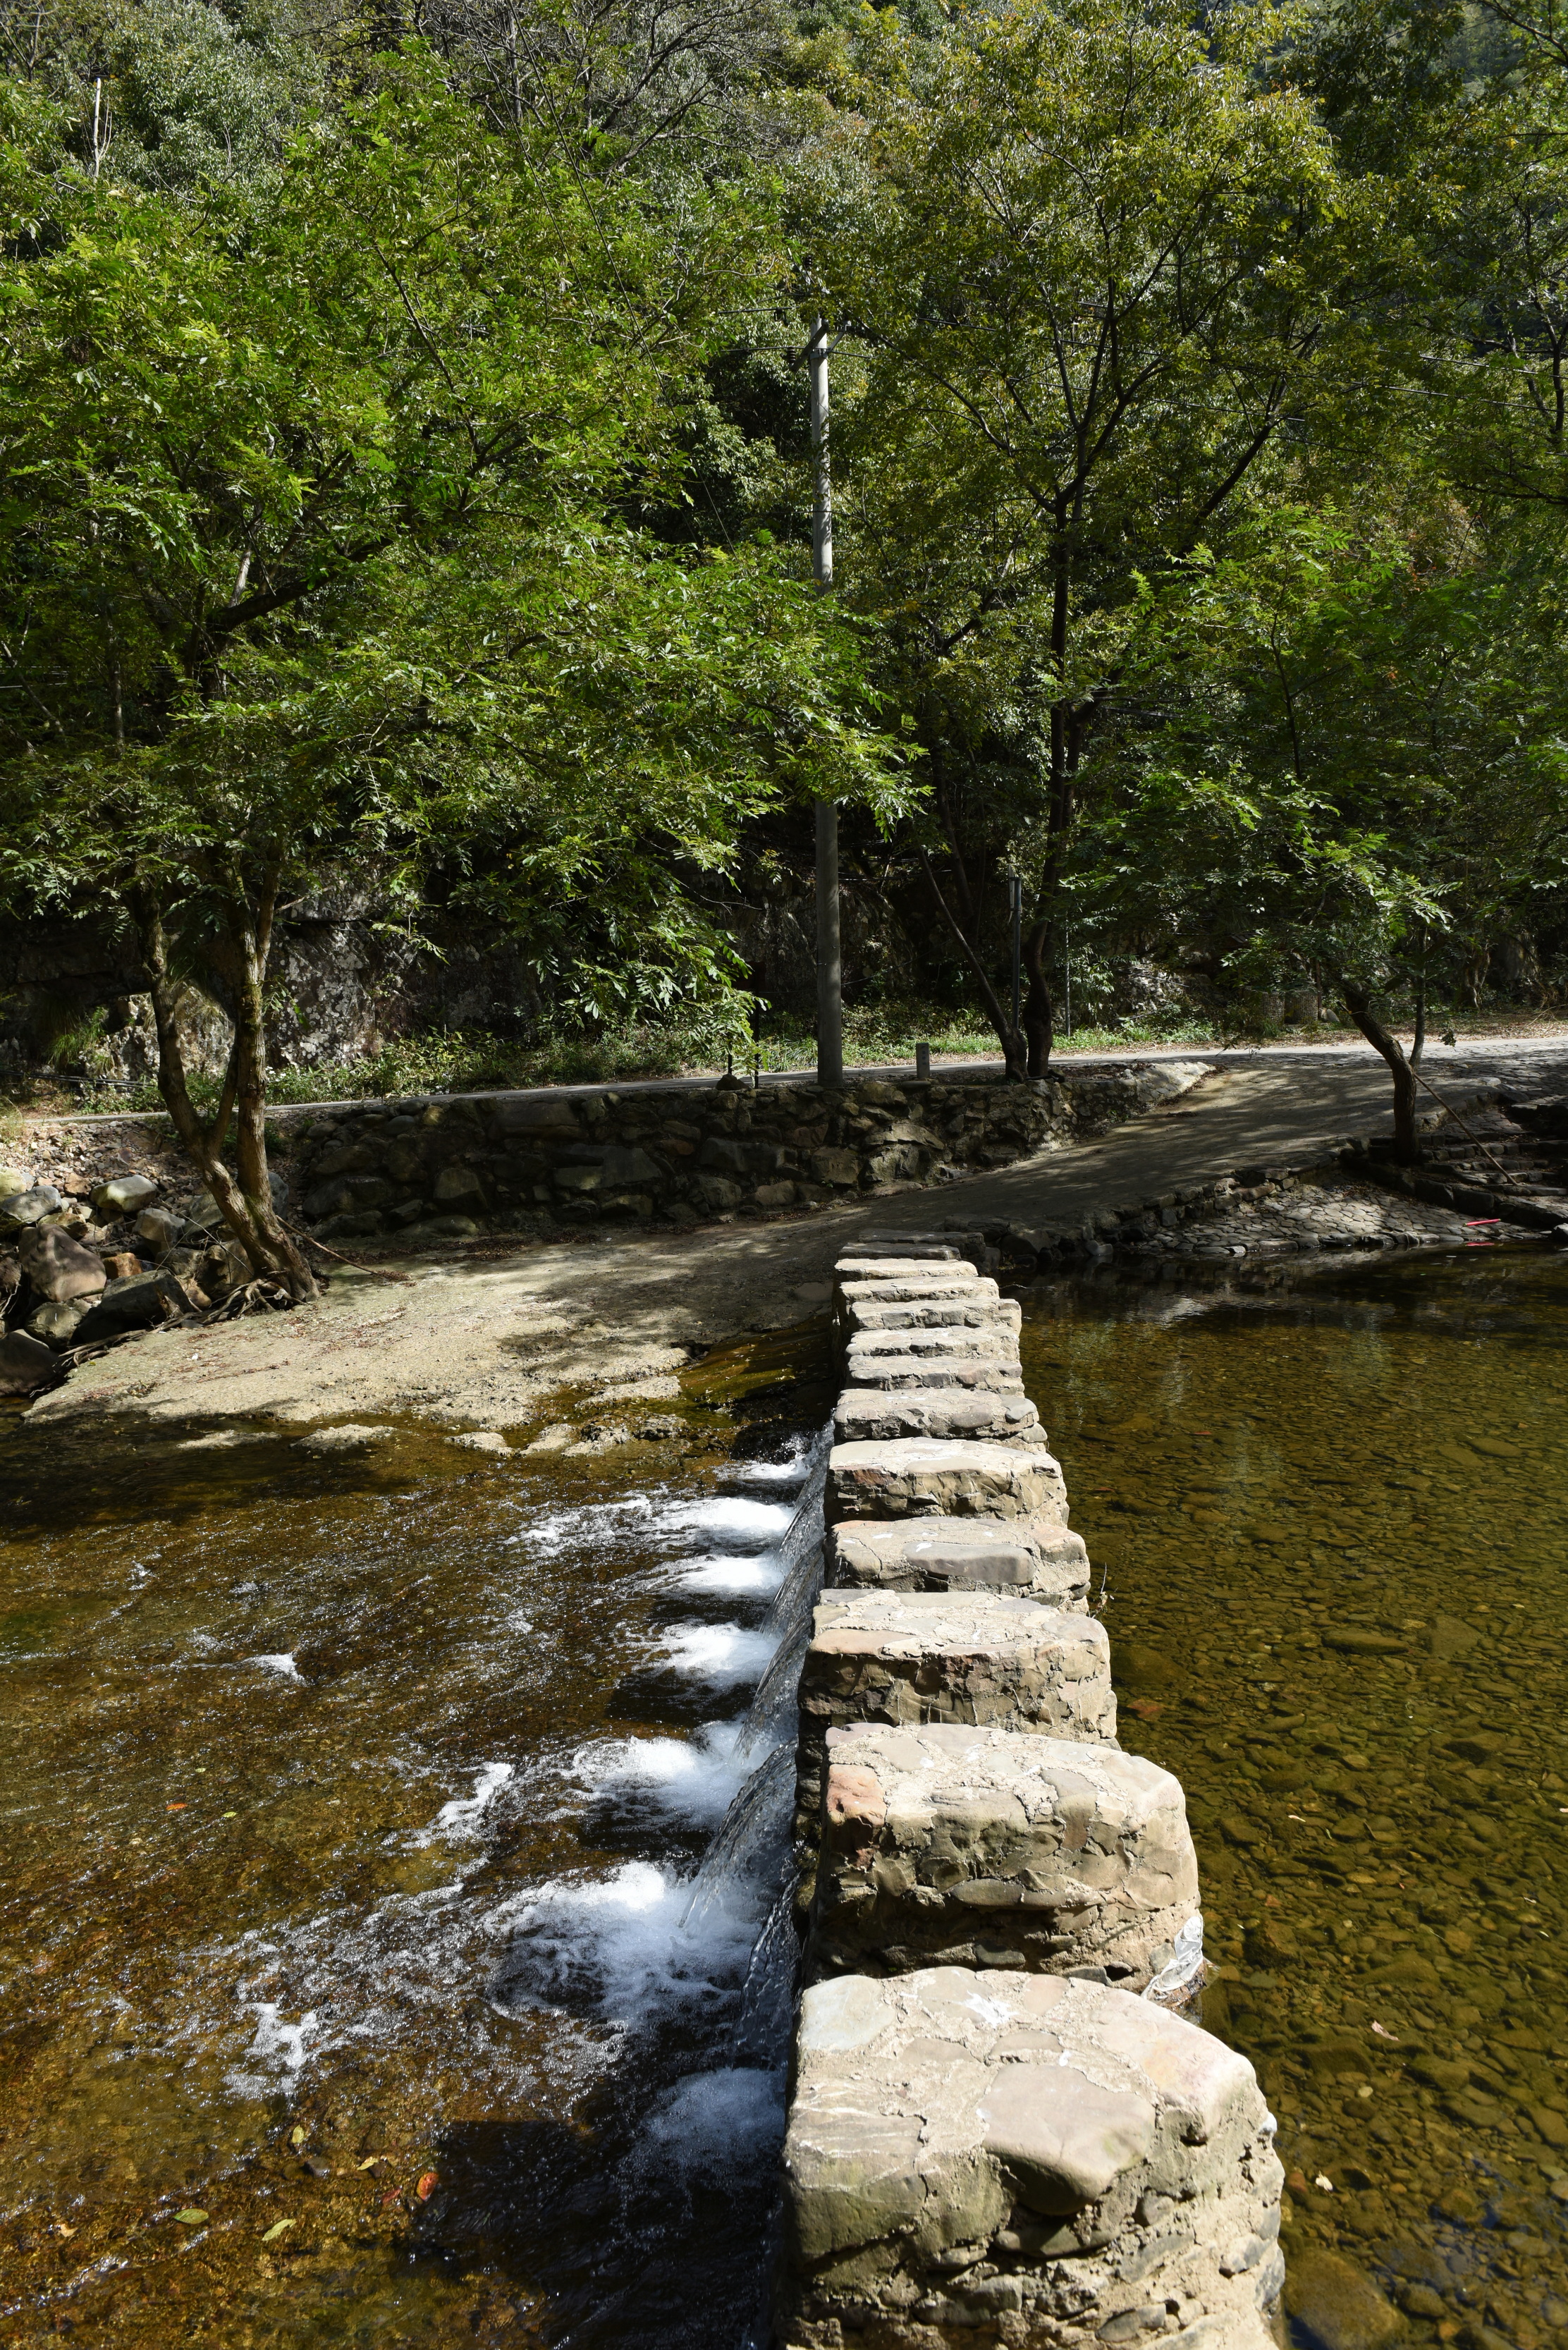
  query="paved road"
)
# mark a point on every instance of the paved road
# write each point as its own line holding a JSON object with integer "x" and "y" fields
{"x": 1256, "y": 1108}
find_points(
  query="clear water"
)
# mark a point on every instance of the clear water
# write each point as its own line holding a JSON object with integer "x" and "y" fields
{"x": 1331, "y": 1511}
{"x": 354, "y": 1813}
{"x": 449, "y": 1743}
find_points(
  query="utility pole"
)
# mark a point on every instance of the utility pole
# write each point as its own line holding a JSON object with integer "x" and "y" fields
{"x": 1016, "y": 900}
{"x": 829, "y": 960}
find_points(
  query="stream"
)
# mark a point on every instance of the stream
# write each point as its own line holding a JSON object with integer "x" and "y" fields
{"x": 394, "y": 1939}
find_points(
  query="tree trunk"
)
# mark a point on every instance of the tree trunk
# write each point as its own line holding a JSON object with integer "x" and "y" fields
{"x": 1039, "y": 1011}
{"x": 246, "y": 1205}
{"x": 1358, "y": 1002}
{"x": 1014, "y": 1048}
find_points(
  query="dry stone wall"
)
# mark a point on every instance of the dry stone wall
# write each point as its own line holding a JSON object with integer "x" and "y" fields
{"x": 1001, "y": 2132}
{"x": 681, "y": 1153}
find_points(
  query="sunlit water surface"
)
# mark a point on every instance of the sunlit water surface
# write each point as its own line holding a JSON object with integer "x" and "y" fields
{"x": 360, "y": 1982}
{"x": 1332, "y": 1513}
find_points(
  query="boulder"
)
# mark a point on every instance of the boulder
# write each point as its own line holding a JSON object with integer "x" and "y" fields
{"x": 123, "y": 1194}
{"x": 56, "y": 1326}
{"x": 981, "y": 1658}
{"x": 944, "y": 1846}
{"x": 927, "y": 1477}
{"x": 1031, "y": 1558}
{"x": 14, "y": 1180}
{"x": 58, "y": 1267}
{"x": 140, "y": 1303}
{"x": 865, "y": 1415}
{"x": 26, "y": 1363}
{"x": 26, "y": 1208}
{"x": 160, "y": 1228}
{"x": 1051, "y": 2162}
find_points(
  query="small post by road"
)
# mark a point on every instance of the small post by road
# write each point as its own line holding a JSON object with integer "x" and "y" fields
{"x": 829, "y": 959}
{"x": 1015, "y": 893}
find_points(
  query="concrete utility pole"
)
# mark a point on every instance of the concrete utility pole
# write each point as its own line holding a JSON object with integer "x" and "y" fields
{"x": 829, "y": 960}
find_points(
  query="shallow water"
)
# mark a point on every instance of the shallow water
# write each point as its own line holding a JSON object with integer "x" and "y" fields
{"x": 355, "y": 1809}
{"x": 366, "y": 1800}
{"x": 1330, "y": 1514}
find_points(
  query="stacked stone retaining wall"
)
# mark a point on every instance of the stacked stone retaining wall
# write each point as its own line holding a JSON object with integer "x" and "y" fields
{"x": 682, "y": 1153}
{"x": 1001, "y": 2132}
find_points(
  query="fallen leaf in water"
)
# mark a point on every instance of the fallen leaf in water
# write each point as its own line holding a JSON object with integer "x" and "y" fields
{"x": 427, "y": 2186}
{"x": 1147, "y": 1709}
{"x": 371, "y": 2161}
{"x": 1326, "y": 2184}
{"x": 391, "y": 2198}
{"x": 63, "y": 2229}
{"x": 1384, "y": 2033}
{"x": 278, "y": 2227}
{"x": 193, "y": 2218}
{"x": 173, "y": 1807}
{"x": 296, "y": 2135}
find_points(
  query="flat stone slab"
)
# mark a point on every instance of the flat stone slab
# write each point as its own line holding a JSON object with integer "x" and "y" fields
{"x": 872, "y": 1265}
{"x": 1030, "y": 1558}
{"x": 866, "y": 1414}
{"x": 899, "y": 1374}
{"x": 980, "y": 1658}
{"x": 926, "y": 1476}
{"x": 1055, "y": 2164}
{"x": 901, "y": 1282}
{"x": 931, "y": 1313}
{"x": 942, "y": 1342}
{"x": 944, "y": 1846}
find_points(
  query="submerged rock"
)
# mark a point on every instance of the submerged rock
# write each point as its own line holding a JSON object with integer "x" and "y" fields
{"x": 1337, "y": 2303}
{"x": 352, "y": 1437}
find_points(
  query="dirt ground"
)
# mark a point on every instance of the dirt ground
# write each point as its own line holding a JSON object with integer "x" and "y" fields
{"x": 561, "y": 1339}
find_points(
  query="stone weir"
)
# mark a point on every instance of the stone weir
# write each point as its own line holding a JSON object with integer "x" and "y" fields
{"x": 1002, "y": 2131}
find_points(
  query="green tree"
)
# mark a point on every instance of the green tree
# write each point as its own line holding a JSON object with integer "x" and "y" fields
{"x": 1096, "y": 267}
{"x": 1342, "y": 754}
{"x": 310, "y": 560}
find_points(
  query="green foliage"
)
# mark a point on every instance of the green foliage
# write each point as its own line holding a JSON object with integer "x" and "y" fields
{"x": 1356, "y": 761}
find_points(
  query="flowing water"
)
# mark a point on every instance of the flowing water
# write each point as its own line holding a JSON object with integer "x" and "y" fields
{"x": 365, "y": 1979}
{"x": 1332, "y": 1512}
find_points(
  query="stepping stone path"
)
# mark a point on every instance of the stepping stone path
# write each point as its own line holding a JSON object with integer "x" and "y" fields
{"x": 1001, "y": 2130}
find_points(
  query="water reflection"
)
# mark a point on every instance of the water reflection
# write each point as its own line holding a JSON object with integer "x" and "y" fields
{"x": 1332, "y": 1513}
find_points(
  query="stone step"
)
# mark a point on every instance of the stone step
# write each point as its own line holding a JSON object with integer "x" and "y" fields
{"x": 1031, "y": 1558}
{"x": 944, "y": 1845}
{"x": 893, "y": 1288}
{"x": 872, "y": 1268}
{"x": 866, "y": 1414}
{"x": 981, "y": 1658}
{"x": 992, "y": 1373}
{"x": 972, "y": 1312}
{"x": 1044, "y": 2160}
{"x": 925, "y": 1476}
{"x": 944, "y": 1341}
